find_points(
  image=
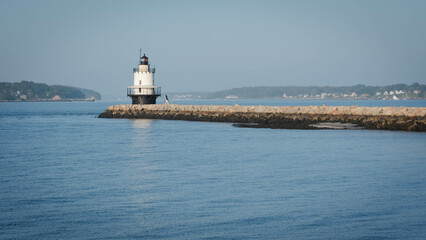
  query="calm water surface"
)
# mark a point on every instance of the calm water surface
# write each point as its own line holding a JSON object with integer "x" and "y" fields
{"x": 65, "y": 174}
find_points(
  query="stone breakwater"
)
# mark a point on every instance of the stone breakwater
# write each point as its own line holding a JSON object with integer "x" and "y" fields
{"x": 303, "y": 117}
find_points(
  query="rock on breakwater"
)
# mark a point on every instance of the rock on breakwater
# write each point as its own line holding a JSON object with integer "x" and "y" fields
{"x": 303, "y": 117}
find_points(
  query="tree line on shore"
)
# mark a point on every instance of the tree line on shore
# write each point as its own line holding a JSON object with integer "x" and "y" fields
{"x": 30, "y": 91}
{"x": 402, "y": 91}
{"x": 415, "y": 90}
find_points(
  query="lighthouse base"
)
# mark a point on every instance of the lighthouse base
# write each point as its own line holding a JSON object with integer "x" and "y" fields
{"x": 143, "y": 99}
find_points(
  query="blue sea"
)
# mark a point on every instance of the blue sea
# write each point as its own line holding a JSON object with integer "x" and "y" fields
{"x": 66, "y": 174}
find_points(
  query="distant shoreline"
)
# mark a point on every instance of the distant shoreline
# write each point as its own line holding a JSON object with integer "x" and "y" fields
{"x": 27, "y": 91}
{"x": 360, "y": 91}
{"x": 280, "y": 98}
{"x": 50, "y": 100}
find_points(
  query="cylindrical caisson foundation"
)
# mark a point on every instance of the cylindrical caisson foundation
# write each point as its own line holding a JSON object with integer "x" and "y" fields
{"x": 144, "y": 99}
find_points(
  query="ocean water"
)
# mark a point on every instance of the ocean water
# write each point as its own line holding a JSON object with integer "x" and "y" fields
{"x": 65, "y": 174}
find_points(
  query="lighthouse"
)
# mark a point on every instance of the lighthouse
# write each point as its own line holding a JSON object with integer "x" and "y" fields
{"x": 143, "y": 90}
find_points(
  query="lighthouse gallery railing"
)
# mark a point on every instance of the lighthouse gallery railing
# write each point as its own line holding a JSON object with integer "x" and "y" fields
{"x": 151, "y": 69}
{"x": 136, "y": 90}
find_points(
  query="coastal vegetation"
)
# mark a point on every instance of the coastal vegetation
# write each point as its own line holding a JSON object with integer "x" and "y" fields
{"x": 30, "y": 91}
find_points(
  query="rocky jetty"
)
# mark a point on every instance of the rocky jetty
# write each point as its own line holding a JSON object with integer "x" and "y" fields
{"x": 303, "y": 117}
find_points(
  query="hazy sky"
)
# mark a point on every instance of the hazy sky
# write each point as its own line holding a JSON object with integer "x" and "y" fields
{"x": 213, "y": 45}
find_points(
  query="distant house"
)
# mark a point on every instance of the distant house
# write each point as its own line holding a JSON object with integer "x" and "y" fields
{"x": 56, "y": 98}
{"x": 231, "y": 97}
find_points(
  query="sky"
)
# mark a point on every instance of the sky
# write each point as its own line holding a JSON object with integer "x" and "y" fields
{"x": 213, "y": 45}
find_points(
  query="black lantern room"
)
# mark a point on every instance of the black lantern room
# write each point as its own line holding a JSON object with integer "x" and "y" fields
{"x": 144, "y": 60}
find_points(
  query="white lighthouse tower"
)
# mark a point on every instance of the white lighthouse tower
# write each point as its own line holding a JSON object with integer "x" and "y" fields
{"x": 143, "y": 90}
